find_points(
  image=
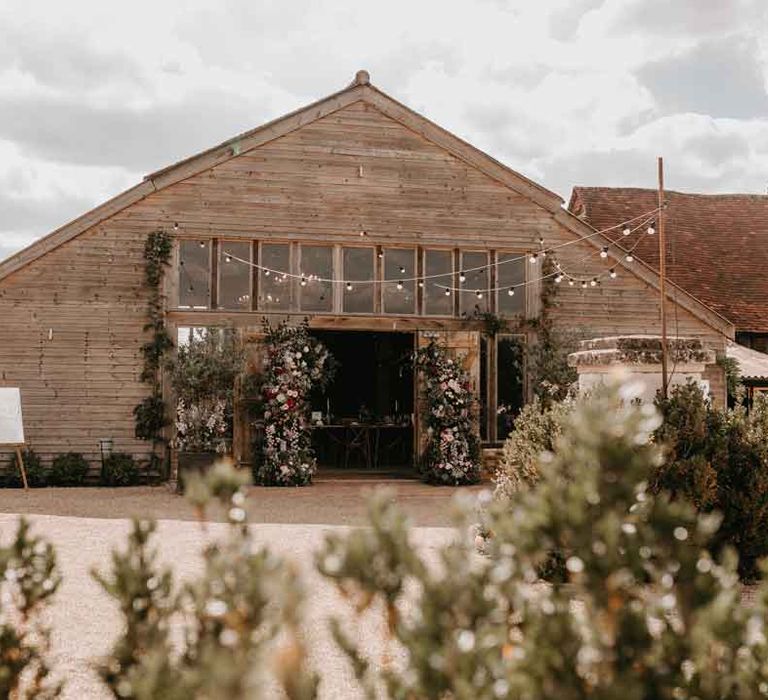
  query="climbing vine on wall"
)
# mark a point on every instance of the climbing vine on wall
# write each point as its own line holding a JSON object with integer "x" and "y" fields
{"x": 150, "y": 413}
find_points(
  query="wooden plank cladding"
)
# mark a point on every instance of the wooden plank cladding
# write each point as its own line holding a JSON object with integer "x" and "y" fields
{"x": 72, "y": 306}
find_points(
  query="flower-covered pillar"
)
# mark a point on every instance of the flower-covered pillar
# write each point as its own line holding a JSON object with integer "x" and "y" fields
{"x": 447, "y": 416}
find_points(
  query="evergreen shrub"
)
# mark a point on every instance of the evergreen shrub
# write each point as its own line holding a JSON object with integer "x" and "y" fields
{"x": 120, "y": 469}
{"x": 68, "y": 469}
{"x": 33, "y": 467}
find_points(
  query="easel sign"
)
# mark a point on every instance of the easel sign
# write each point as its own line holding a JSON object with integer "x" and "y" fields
{"x": 12, "y": 426}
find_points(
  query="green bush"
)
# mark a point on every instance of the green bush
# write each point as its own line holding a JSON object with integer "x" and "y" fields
{"x": 33, "y": 466}
{"x": 120, "y": 469}
{"x": 68, "y": 469}
{"x": 537, "y": 428}
{"x": 647, "y": 612}
{"x": 718, "y": 460}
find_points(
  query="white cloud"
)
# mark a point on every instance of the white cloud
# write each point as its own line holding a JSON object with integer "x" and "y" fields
{"x": 95, "y": 94}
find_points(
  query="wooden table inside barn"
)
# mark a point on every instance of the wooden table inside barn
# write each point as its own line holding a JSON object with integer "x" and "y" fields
{"x": 362, "y": 440}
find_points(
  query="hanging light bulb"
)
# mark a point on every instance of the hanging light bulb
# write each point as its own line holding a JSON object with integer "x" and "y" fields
{"x": 228, "y": 258}
{"x": 285, "y": 275}
{"x": 175, "y": 225}
{"x": 604, "y": 252}
{"x": 651, "y": 228}
{"x": 626, "y": 230}
{"x": 593, "y": 282}
{"x": 511, "y": 292}
{"x": 399, "y": 286}
{"x": 266, "y": 273}
{"x": 380, "y": 255}
{"x": 349, "y": 286}
{"x": 541, "y": 240}
{"x": 402, "y": 270}
{"x": 629, "y": 257}
{"x": 363, "y": 233}
{"x": 583, "y": 284}
{"x": 303, "y": 281}
{"x": 421, "y": 284}
{"x": 613, "y": 273}
{"x": 570, "y": 282}
{"x": 558, "y": 278}
{"x": 534, "y": 257}
{"x": 447, "y": 292}
{"x": 269, "y": 297}
{"x": 479, "y": 294}
{"x": 462, "y": 277}
{"x": 202, "y": 244}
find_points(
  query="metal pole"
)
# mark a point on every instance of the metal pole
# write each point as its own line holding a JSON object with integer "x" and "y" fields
{"x": 662, "y": 281}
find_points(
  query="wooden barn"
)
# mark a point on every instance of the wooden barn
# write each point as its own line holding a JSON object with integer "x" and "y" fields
{"x": 353, "y": 187}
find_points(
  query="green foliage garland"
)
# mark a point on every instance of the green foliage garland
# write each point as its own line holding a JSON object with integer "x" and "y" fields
{"x": 452, "y": 454}
{"x": 150, "y": 413}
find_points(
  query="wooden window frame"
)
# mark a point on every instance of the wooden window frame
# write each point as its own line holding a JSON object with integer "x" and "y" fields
{"x": 453, "y": 277}
{"x": 377, "y": 267}
{"x": 290, "y": 282}
{"x": 297, "y": 283}
{"x": 177, "y": 259}
{"x": 488, "y": 261}
{"x": 221, "y": 244}
{"x": 497, "y": 256}
{"x": 383, "y": 278}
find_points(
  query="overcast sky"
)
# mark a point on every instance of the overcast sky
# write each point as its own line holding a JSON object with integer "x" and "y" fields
{"x": 94, "y": 94}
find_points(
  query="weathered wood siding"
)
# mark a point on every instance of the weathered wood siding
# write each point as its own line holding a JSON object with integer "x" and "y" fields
{"x": 70, "y": 332}
{"x": 354, "y": 170}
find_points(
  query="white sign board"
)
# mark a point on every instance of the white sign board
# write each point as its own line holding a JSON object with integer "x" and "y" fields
{"x": 11, "y": 426}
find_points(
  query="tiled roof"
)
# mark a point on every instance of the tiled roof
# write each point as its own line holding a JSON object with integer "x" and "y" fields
{"x": 717, "y": 245}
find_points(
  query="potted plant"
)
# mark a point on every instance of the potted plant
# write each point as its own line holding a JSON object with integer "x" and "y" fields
{"x": 203, "y": 376}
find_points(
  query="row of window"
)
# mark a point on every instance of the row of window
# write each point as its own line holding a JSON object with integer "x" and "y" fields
{"x": 241, "y": 275}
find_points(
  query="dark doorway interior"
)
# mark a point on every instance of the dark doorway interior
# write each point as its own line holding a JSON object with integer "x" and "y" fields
{"x": 364, "y": 419}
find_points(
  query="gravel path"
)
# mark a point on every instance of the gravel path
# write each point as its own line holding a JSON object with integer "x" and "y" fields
{"x": 85, "y": 621}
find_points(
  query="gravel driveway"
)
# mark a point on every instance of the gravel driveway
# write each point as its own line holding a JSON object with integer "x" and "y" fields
{"x": 85, "y": 621}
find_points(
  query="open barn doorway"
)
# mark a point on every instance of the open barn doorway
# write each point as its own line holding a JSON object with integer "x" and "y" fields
{"x": 363, "y": 422}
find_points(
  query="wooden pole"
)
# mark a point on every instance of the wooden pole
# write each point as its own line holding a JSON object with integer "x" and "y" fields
{"x": 21, "y": 468}
{"x": 662, "y": 281}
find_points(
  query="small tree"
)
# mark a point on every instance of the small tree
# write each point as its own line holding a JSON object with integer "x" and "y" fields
{"x": 230, "y": 616}
{"x": 648, "y": 612}
{"x": 203, "y": 376}
{"x": 28, "y": 579}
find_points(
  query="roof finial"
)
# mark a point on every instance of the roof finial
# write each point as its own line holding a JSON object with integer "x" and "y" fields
{"x": 362, "y": 77}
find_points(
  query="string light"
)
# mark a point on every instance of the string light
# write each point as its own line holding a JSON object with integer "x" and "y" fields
{"x": 511, "y": 292}
{"x": 363, "y": 233}
{"x": 399, "y": 286}
{"x": 593, "y": 282}
{"x": 626, "y": 231}
{"x": 202, "y": 244}
{"x": 228, "y": 258}
{"x": 559, "y": 275}
{"x": 175, "y": 225}
{"x": 402, "y": 270}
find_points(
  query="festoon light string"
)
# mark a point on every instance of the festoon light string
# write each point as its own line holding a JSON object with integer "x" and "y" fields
{"x": 647, "y": 221}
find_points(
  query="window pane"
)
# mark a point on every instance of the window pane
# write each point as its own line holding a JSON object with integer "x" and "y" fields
{"x": 436, "y": 302}
{"x": 508, "y": 274}
{"x": 234, "y": 275}
{"x": 316, "y": 295}
{"x": 509, "y": 387}
{"x": 358, "y": 265}
{"x": 194, "y": 274}
{"x": 399, "y": 297}
{"x": 477, "y": 281}
{"x": 274, "y": 288}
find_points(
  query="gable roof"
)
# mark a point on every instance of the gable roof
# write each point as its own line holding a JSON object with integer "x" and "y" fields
{"x": 717, "y": 245}
{"x": 359, "y": 90}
